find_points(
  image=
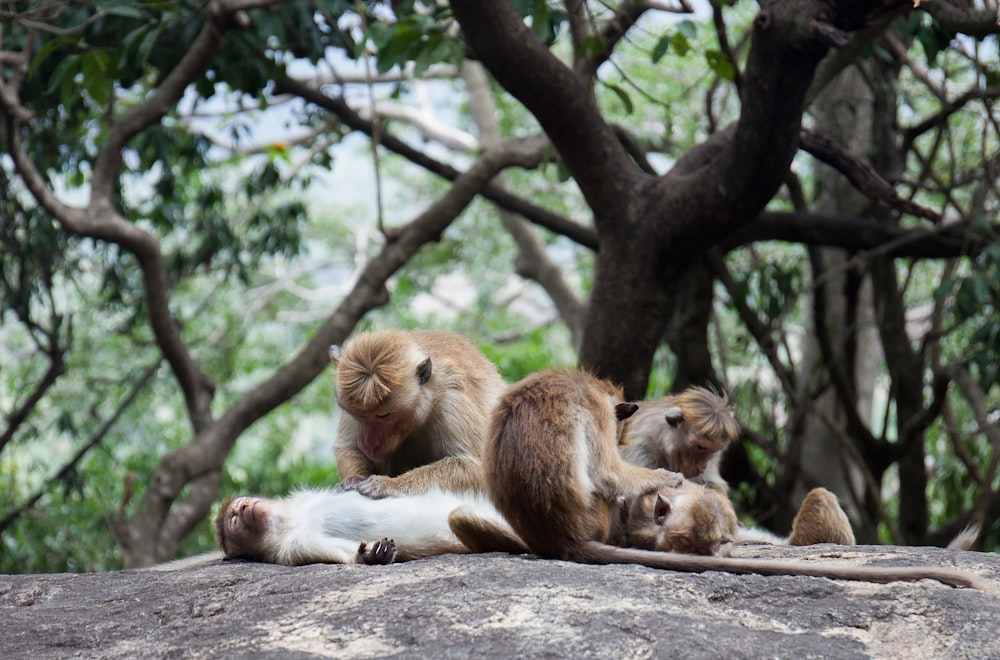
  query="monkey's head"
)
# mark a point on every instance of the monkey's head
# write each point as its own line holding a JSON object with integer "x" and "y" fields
{"x": 688, "y": 430}
{"x": 690, "y": 520}
{"x": 241, "y": 527}
{"x": 384, "y": 382}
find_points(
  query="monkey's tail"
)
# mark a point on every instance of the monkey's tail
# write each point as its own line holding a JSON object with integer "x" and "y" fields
{"x": 966, "y": 539}
{"x": 592, "y": 552}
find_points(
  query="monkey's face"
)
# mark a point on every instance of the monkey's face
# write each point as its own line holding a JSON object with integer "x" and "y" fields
{"x": 696, "y": 450}
{"x": 693, "y": 520}
{"x": 241, "y": 526}
{"x": 381, "y": 433}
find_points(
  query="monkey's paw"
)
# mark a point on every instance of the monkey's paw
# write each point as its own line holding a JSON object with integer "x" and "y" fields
{"x": 350, "y": 483}
{"x": 671, "y": 479}
{"x": 378, "y": 553}
{"x": 377, "y": 487}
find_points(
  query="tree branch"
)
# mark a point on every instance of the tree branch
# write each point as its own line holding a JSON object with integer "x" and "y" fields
{"x": 535, "y": 214}
{"x": 943, "y": 241}
{"x": 558, "y": 99}
{"x": 92, "y": 442}
{"x": 861, "y": 174}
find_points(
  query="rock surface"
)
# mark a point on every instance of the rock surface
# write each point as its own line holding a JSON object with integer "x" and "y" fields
{"x": 504, "y": 606}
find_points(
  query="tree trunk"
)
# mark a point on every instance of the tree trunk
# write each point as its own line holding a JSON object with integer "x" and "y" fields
{"x": 839, "y": 310}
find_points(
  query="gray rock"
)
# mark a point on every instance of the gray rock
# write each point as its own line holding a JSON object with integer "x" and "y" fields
{"x": 499, "y": 606}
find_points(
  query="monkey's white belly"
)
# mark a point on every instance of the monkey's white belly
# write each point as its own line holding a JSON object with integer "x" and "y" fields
{"x": 417, "y": 523}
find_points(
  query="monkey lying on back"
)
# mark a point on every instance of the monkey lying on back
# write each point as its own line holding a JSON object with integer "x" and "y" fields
{"x": 323, "y": 526}
{"x": 552, "y": 469}
{"x": 415, "y": 406}
{"x": 688, "y": 433}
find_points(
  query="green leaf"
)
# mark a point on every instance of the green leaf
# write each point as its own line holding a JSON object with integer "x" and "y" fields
{"x": 660, "y": 49}
{"x": 624, "y": 97}
{"x": 47, "y": 49}
{"x": 94, "y": 66}
{"x": 719, "y": 64}
{"x": 687, "y": 29}
{"x": 65, "y": 70}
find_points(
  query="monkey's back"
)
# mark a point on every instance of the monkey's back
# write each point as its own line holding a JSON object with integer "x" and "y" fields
{"x": 540, "y": 455}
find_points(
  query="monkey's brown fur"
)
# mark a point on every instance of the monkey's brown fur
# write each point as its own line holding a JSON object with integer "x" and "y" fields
{"x": 415, "y": 407}
{"x": 685, "y": 433}
{"x": 552, "y": 469}
{"x": 821, "y": 520}
{"x": 551, "y": 464}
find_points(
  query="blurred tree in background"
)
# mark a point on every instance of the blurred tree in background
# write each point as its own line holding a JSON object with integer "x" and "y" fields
{"x": 793, "y": 200}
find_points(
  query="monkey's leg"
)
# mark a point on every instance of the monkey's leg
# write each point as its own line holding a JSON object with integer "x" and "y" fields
{"x": 379, "y": 552}
{"x": 481, "y": 535}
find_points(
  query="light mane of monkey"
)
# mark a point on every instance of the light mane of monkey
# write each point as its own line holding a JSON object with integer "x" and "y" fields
{"x": 709, "y": 412}
{"x": 415, "y": 407}
{"x": 685, "y": 432}
{"x": 377, "y": 365}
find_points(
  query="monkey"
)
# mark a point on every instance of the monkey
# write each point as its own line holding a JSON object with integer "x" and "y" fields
{"x": 415, "y": 407}
{"x": 552, "y": 469}
{"x": 820, "y": 519}
{"x": 323, "y": 526}
{"x": 686, "y": 433}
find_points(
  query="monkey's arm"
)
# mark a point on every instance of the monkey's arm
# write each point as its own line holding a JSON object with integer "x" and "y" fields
{"x": 454, "y": 473}
{"x": 479, "y": 534}
{"x": 351, "y": 461}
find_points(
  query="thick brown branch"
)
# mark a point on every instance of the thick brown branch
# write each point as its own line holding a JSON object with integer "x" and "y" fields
{"x": 558, "y": 99}
{"x": 964, "y": 20}
{"x": 861, "y": 174}
{"x": 857, "y": 233}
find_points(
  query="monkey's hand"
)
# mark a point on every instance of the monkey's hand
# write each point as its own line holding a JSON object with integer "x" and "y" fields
{"x": 350, "y": 483}
{"x": 378, "y": 553}
{"x": 670, "y": 479}
{"x": 377, "y": 487}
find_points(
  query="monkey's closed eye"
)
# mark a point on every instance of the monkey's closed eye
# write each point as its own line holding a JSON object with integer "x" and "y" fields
{"x": 383, "y": 415}
{"x": 684, "y": 541}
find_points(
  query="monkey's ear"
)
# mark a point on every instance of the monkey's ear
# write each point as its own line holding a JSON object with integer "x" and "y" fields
{"x": 625, "y": 410}
{"x": 674, "y": 417}
{"x": 335, "y": 353}
{"x": 424, "y": 371}
{"x": 662, "y": 508}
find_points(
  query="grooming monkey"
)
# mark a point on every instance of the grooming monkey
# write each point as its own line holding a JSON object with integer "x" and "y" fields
{"x": 322, "y": 526}
{"x": 415, "y": 408}
{"x": 552, "y": 469}
{"x": 688, "y": 433}
{"x": 685, "y": 433}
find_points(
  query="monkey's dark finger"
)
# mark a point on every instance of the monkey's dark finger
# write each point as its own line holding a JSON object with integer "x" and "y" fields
{"x": 350, "y": 483}
{"x": 374, "y": 487}
{"x": 379, "y": 552}
{"x": 385, "y": 550}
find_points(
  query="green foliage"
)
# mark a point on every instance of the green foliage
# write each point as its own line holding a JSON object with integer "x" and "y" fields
{"x": 418, "y": 38}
